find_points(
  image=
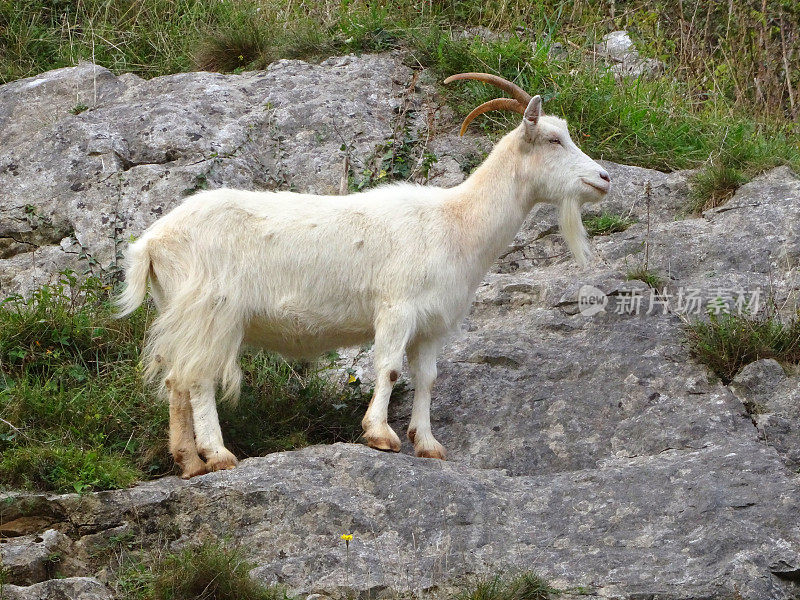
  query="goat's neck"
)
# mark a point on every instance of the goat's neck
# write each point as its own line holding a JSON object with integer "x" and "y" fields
{"x": 488, "y": 209}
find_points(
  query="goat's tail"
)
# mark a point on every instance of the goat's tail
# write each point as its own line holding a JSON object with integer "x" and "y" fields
{"x": 199, "y": 328}
{"x": 137, "y": 272}
{"x": 197, "y": 337}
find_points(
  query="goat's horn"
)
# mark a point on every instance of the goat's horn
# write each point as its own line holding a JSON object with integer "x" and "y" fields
{"x": 504, "y": 84}
{"x": 496, "y": 104}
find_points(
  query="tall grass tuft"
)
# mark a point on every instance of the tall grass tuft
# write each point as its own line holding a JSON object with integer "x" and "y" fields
{"x": 209, "y": 572}
{"x": 648, "y": 276}
{"x": 606, "y": 223}
{"x": 523, "y": 586}
{"x": 713, "y": 187}
{"x": 233, "y": 48}
{"x": 726, "y": 342}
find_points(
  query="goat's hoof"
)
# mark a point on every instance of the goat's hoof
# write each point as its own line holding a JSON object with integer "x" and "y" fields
{"x": 193, "y": 468}
{"x": 430, "y": 450}
{"x": 385, "y": 439}
{"x": 220, "y": 460}
{"x": 190, "y": 463}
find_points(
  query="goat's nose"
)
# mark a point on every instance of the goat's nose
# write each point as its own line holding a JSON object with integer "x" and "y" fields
{"x": 604, "y": 175}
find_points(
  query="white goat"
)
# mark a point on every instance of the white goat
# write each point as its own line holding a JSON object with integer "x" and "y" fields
{"x": 301, "y": 274}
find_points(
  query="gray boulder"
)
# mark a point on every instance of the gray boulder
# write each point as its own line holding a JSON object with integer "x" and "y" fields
{"x": 71, "y": 588}
{"x": 33, "y": 558}
{"x": 773, "y": 401}
{"x": 618, "y": 48}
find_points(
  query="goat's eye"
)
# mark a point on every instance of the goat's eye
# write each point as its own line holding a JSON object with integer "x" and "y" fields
{"x": 555, "y": 141}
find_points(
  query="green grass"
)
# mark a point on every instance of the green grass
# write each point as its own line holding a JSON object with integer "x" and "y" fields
{"x": 649, "y": 276}
{"x": 289, "y": 405}
{"x": 744, "y": 155}
{"x": 209, "y": 571}
{"x": 78, "y": 109}
{"x": 167, "y": 36}
{"x": 524, "y": 586}
{"x": 606, "y": 223}
{"x": 728, "y": 342}
{"x": 713, "y": 187}
{"x": 76, "y": 415}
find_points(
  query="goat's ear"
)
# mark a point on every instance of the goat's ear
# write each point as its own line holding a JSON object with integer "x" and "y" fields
{"x": 534, "y": 110}
{"x": 532, "y": 114}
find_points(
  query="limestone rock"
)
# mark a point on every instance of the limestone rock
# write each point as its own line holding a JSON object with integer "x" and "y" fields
{"x": 773, "y": 400}
{"x": 616, "y": 45}
{"x": 667, "y": 523}
{"x": 756, "y": 383}
{"x": 619, "y": 49}
{"x": 71, "y": 588}
{"x": 739, "y": 253}
{"x": 33, "y": 558}
{"x": 23, "y": 526}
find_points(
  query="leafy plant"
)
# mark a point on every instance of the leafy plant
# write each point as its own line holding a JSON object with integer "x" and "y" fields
{"x": 396, "y": 159}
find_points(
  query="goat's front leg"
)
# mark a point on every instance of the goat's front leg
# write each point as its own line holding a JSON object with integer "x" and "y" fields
{"x": 422, "y": 360}
{"x": 207, "y": 433}
{"x": 181, "y": 433}
{"x": 392, "y": 331}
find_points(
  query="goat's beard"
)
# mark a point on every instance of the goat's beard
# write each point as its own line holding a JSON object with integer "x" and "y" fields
{"x": 571, "y": 225}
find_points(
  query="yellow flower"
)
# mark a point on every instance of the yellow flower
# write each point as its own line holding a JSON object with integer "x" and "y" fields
{"x": 351, "y": 379}
{"x": 347, "y": 537}
{"x": 382, "y": 174}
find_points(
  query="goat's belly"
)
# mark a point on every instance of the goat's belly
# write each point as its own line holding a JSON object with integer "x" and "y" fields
{"x": 293, "y": 339}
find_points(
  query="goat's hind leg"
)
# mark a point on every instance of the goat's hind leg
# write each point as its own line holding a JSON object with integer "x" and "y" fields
{"x": 392, "y": 332}
{"x": 208, "y": 435}
{"x": 181, "y": 434}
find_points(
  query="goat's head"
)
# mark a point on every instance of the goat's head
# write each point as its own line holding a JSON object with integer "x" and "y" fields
{"x": 551, "y": 165}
